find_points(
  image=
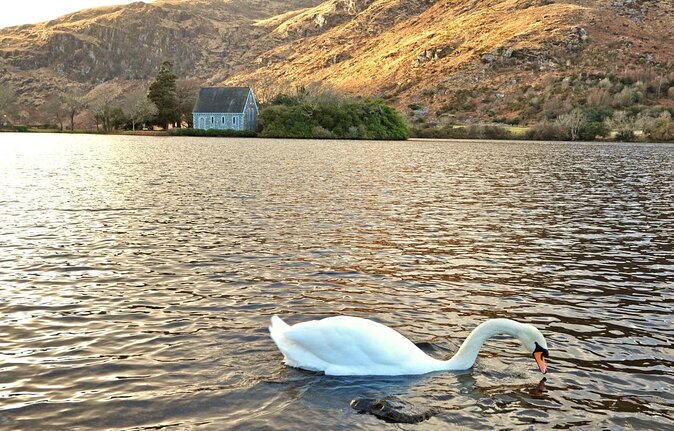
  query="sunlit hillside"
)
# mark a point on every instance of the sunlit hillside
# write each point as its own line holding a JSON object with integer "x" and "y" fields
{"x": 437, "y": 61}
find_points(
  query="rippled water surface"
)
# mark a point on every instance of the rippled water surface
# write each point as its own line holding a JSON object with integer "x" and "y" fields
{"x": 138, "y": 276}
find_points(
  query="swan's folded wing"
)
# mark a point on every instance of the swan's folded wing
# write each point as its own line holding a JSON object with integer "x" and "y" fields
{"x": 352, "y": 341}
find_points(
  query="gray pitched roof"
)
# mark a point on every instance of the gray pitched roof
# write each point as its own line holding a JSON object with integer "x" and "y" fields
{"x": 221, "y": 99}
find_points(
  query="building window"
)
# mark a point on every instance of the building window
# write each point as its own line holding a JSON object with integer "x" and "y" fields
{"x": 223, "y": 119}
{"x": 212, "y": 120}
{"x": 233, "y": 120}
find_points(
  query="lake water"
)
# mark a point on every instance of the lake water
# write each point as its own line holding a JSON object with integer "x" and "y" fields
{"x": 138, "y": 276}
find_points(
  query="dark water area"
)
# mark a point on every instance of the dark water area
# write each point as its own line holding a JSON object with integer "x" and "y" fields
{"x": 138, "y": 276}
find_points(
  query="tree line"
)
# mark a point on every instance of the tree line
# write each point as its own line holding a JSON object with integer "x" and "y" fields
{"x": 168, "y": 101}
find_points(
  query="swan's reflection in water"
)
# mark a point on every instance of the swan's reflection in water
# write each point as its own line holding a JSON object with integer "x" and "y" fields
{"x": 438, "y": 391}
{"x": 540, "y": 390}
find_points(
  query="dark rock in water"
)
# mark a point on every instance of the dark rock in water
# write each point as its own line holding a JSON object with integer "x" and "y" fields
{"x": 392, "y": 409}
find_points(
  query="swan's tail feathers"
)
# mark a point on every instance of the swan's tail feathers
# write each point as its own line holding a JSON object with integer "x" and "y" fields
{"x": 276, "y": 330}
{"x": 277, "y": 325}
{"x": 294, "y": 355}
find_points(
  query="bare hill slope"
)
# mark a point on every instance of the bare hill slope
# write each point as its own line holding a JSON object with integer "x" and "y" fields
{"x": 450, "y": 60}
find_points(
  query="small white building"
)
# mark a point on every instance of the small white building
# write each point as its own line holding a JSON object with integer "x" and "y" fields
{"x": 232, "y": 108}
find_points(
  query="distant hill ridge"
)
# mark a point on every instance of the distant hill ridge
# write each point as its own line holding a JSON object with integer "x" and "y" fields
{"x": 464, "y": 60}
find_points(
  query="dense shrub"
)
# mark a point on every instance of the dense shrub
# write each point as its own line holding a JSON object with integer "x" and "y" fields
{"x": 584, "y": 124}
{"x": 286, "y": 121}
{"x": 590, "y": 130}
{"x": 286, "y": 99}
{"x": 445, "y": 132}
{"x": 627, "y": 80}
{"x": 226, "y": 133}
{"x": 308, "y": 116}
{"x": 320, "y": 132}
{"x": 624, "y": 126}
{"x": 598, "y": 113}
{"x": 488, "y": 132}
{"x": 627, "y": 97}
{"x": 508, "y": 120}
{"x": 625, "y": 136}
{"x": 662, "y": 129}
{"x": 477, "y": 131}
{"x": 546, "y": 131}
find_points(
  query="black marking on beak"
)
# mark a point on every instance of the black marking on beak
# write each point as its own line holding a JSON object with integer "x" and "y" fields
{"x": 540, "y": 349}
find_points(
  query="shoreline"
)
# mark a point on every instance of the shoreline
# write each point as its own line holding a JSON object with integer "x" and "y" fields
{"x": 90, "y": 132}
{"x": 164, "y": 133}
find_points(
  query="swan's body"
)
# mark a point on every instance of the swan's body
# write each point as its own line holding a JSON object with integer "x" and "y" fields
{"x": 350, "y": 346}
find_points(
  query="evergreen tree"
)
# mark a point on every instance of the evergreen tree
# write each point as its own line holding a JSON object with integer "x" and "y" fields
{"x": 163, "y": 94}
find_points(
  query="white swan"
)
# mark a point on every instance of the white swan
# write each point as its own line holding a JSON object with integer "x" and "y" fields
{"x": 351, "y": 346}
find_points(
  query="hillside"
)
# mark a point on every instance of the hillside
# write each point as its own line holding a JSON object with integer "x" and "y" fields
{"x": 437, "y": 61}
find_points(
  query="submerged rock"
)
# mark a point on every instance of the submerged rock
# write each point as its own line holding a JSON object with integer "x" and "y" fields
{"x": 392, "y": 409}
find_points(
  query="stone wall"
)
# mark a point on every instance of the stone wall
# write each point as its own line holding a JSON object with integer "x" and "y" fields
{"x": 218, "y": 121}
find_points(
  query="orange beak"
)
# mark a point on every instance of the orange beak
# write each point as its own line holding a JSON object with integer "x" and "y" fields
{"x": 540, "y": 362}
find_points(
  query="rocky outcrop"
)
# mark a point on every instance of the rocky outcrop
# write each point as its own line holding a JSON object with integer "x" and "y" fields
{"x": 352, "y": 6}
{"x": 432, "y": 54}
{"x": 106, "y": 43}
{"x": 629, "y": 8}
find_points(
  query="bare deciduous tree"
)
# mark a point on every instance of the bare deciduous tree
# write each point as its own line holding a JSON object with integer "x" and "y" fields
{"x": 73, "y": 100}
{"x": 138, "y": 108}
{"x": 621, "y": 122}
{"x": 55, "y": 109}
{"x": 103, "y": 105}
{"x": 572, "y": 122}
{"x": 266, "y": 88}
{"x": 186, "y": 95}
{"x": 7, "y": 99}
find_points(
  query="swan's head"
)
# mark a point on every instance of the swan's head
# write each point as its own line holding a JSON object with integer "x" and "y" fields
{"x": 534, "y": 343}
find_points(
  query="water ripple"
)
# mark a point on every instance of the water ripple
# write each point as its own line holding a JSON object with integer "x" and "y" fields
{"x": 138, "y": 275}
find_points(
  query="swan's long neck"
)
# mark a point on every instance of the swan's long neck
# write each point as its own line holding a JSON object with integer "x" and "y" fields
{"x": 465, "y": 357}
